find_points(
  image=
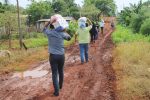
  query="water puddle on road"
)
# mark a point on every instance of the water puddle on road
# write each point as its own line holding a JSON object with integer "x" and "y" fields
{"x": 35, "y": 73}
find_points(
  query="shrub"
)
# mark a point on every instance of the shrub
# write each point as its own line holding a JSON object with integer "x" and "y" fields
{"x": 72, "y": 28}
{"x": 145, "y": 28}
{"x": 136, "y": 22}
{"x": 123, "y": 34}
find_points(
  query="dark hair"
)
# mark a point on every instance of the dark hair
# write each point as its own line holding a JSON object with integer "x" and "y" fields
{"x": 51, "y": 26}
{"x": 86, "y": 24}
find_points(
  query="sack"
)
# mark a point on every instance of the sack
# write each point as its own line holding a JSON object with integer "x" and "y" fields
{"x": 59, "y": 21}
{"x": 82, "y": 22}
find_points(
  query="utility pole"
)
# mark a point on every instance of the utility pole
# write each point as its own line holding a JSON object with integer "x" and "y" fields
{"x": 19, "y": 29}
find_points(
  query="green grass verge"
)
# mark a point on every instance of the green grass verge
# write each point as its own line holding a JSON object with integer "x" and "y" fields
{"x": 124, "y": 34}
{"x": 33, "y": 43}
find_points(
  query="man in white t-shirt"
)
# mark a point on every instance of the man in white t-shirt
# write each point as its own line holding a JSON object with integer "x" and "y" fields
{"x": 102, "y": 23}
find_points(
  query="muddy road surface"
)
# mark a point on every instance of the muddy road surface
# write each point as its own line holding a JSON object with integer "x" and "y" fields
{"x": 94, "y": 80}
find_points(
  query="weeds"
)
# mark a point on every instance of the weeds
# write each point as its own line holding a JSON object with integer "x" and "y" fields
{"x": 21, "y": 60}
{"x": 131, "y": 62}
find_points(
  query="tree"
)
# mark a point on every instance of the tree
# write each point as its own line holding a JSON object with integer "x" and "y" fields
{"x": 38, "y": 10}
{"x": 65, "y": 7}
{"x": 90, "y": 11}
{"x": 135, "y": 16}
{"x": 44, "y": 9}
{"x": 125, "y": 15}
{"x": 2, "y": 8}
{"x": 105, "y": 7}
{"x": 8, "y": 21}
{"x": 136, "y": 8}
{"x": 60, "y": 7}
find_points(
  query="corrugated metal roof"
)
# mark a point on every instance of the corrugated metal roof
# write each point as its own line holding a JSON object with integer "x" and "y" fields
{"x": 46, "y": 20}
{"x": 43, "y": 20}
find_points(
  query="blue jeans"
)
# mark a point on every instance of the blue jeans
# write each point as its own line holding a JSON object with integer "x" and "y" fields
{"x": 84, "y": 52}
{"x": 57, "y": 67}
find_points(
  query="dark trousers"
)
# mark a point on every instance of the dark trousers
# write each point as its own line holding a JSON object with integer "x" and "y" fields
{"x": 57, "y": 67}
{"x": 102, "y": 30}
{"x": 93, "y": 37}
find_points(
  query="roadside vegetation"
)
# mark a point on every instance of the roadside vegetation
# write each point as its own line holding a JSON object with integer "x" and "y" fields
{"x": 21, "y": 60}
{"x": 132, "y": 52}
{"x": 131, "y": 63}
{"x": 125, "y": 34}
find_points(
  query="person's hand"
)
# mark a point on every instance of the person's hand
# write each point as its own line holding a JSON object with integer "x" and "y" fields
{"x": 53, "y": 19}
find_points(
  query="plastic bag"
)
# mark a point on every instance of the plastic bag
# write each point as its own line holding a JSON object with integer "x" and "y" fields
{"x": 59, "y": 21}
{"x": 82, "y": 22}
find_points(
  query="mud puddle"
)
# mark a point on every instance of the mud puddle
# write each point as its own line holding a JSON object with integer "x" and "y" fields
{"x": 31, "y": 83}
{"x": 34, "y": 73}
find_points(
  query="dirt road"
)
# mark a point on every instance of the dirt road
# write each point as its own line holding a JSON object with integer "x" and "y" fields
{"x": 94, "y": 80}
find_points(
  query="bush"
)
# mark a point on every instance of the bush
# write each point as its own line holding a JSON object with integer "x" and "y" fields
{"x": 136, "y": 22}
{"x": 145, "y": 28}
{"x": 72, "y": 28}
{"x": 123, "y": 34}
{"x": 4, "y": 36}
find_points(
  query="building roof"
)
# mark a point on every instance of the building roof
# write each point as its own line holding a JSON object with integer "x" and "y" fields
{"x": 46, "y": 20}
{"x": 43, "y": 20}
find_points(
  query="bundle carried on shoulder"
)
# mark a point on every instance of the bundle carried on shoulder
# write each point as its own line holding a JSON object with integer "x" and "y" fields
{"x": 58, "y": 21}
{"x": 82, "y": 22}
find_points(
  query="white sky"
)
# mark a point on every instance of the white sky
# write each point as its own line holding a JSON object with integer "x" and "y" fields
{"x": 120, "y": 3}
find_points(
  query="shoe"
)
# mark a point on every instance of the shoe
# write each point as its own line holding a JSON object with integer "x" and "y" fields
{"x": 82, "y": 63}
{"x": 56, "y": 94}
{"x": 60, "y": 87}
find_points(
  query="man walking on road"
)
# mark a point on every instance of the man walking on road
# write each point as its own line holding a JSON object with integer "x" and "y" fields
{"x": 102, "y": 23}
{"x": 83, "y": 38}
{"x": 56, "y": 53}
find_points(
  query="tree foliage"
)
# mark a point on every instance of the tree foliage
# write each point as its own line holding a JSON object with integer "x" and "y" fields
{"x": 135, "y": 15}
{"x": 90, "y": 11}
{"x": 106, "y": 7}
{"x": 44, "y": 9}
{"x": 145, "y": 27}
{"x": 38, "y": 10}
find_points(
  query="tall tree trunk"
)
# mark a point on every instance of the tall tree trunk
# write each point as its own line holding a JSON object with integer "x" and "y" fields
{"x": 9, "y": 34}
{"x": 19, "y": 29}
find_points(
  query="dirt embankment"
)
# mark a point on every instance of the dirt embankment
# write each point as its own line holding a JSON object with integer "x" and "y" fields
{"x": 94, "y": 80}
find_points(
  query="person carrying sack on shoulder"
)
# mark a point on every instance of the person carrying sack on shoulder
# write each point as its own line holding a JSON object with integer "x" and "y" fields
{"x": 56, "y": 37}
{"x": 83, "y": 38}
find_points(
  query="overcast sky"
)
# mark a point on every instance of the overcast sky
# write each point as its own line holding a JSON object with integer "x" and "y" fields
{"x": 120, "y": 3}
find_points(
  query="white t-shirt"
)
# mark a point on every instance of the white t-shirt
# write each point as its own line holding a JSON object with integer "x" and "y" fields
{"x": 102, "y": 23}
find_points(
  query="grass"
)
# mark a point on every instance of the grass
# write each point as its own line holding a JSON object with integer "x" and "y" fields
{"x": 132, "y": 65}
{"x": 22, "y": 60}
{"x": 124, "y": 34}
{"x": 32, "y": 43}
